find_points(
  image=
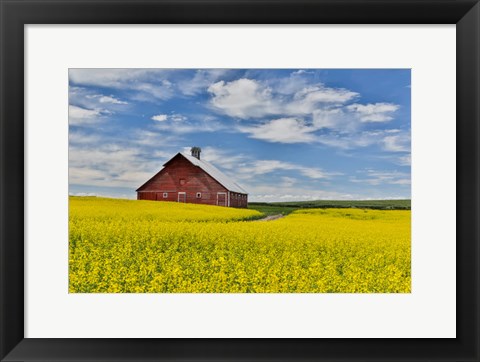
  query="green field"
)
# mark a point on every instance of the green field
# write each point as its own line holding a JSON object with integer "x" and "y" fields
{"x": 285, "y": 208}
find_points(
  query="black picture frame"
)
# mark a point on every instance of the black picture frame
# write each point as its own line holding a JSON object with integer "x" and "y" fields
{"x": 15, "y": 14}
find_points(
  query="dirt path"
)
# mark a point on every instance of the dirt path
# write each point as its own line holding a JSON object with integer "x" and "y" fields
{"x": 271, "y": 217}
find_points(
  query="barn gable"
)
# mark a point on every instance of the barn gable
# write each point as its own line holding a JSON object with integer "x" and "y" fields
{"x": 187, "y": 178}
{"x": 211, "y": 170}
{"x": 176, "y": 169}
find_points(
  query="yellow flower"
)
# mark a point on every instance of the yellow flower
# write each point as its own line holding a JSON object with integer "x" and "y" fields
{"x": 125, "y": 246}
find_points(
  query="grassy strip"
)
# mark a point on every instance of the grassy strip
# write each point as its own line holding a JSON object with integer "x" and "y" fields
{"x": 286, "y": 208}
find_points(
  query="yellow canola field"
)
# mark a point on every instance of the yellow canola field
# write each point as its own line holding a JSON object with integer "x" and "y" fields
{"x": 122, "y": 246}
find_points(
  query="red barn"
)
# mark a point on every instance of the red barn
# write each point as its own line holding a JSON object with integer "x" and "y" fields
{"x": 187, "y": 178}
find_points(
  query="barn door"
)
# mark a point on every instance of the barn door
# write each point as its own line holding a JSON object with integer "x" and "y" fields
{"x": 182, "y": 197}
{"x": 221, "y": 198}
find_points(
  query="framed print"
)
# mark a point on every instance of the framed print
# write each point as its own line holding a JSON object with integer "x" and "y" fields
{"x": 319, "y": 119}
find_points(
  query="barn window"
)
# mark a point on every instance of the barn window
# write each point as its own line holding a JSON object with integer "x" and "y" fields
{"x": 182, "y": 181}
{"x": 199, "y": 195}
{"x": 165, "y": 195}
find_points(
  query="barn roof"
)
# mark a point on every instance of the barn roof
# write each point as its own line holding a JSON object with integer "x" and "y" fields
{"x": 218, "y": 175}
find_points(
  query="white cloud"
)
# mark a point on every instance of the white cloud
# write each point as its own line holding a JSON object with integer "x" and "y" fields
{"x": 350, "y": 118}
{"x": 242, "y": 98}
{"x": 109, "y": 195}
{"x": 261, "y": 167}
{"x": 342, "y": 132}
{"x": 196, "y": 128}
{"x": 151, "y": 92}
{"x": 85, "y": 175}
{"x": 334, "y": 119}
{"x": 284, "y": 193}
{"x": 180, "y": 125}
{"x": 222, "y": 158}
{"x": 243, "y": 166}
{"x": 152, "y": 139}
{"x": 397, "y": 142}
{"x": 301, "y": 72}
{"x": 266, "y": 166}
{"x": 100, "y": 97}
{"x": 250, "y": 99}
{"x": 81, "y": 116}
{"x": 376, "y": 178}
{"x": 109, "y": 165}
{"x": 112, "y": 78}
{"x": 202, "y": 79}
{"x": 289, "y": 85}
{"x": 111, "y": 99}
{"x": 160, "y": 117}
{"x": 283, "y": 130}
{"x": 83, "y": 194}
{"x": 377, "y": 112}
{"x": 172, "y": 117}
{"x": 149, "y": 84}
{"x": 81, "y": 138}
{"x": 350, "y": 141}
{"x": 392, "y": 140}
{"x": 288, "y": 181}
{"x": 405, "y": 160}
{"x": 91, "y": 99}
{"x": 178, "y": 118}
{"x": 247, "y": 98}
{"x": 313, "y": 173}
{"x": 400, "y": 159}
{"x": 309, "y": 99}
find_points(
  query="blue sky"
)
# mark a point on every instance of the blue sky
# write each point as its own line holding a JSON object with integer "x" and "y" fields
{"x": 283, "y": 134}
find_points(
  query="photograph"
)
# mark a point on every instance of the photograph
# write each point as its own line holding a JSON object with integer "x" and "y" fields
{"x": 239, "y": 180}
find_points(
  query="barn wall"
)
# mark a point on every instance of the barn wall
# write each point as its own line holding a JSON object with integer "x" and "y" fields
{"x": 196, "y": 180}
{"x": 238, "y": 200}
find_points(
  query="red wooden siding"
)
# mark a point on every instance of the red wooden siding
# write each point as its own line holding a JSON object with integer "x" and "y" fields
{"x": 179, "y": 175}
{"x": 238, "y": 200}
